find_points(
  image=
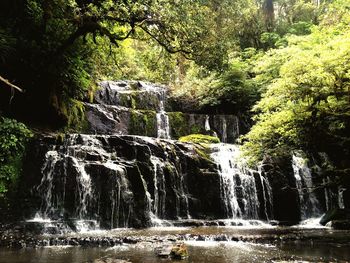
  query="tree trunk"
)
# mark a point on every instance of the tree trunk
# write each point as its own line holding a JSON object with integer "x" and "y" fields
{"x": 269, "y": 14}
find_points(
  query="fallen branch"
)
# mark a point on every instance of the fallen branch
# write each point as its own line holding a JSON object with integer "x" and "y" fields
{"x": 8, "y": 83}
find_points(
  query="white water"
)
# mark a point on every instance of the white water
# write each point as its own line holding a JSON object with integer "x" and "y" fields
{"x": 238, "y": 186}
{"x": 85, "y": 191}
{"x": 224, "y": 129}
{"x": 311, "y": 223}
{"x": 159, "y": 187}
{"x": 163, "y": 126}
{"x": 46, "y": 184}
{"x": 309, "y": 204}
{"x": 207, "y": 124}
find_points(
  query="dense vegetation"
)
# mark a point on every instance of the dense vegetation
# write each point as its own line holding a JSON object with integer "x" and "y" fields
{"x": 286, "y": 60}
{"x": 13, "y": 139}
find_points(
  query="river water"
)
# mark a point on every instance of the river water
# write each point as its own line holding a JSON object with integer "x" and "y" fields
{"x": 205, "y": 245}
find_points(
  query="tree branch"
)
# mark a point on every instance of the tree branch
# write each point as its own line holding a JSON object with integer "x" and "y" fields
{"x": 170, "y": 49}
{"x": 8, "y": 83}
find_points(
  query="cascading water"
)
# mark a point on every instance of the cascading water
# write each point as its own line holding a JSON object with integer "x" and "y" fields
{"x": 207, "y": 123}
{"x": 238, "y": 186}
{"x": 267, "y": 195}
{"x": 85, "y": 192}
{"x": 341, "y": 197}
{"x": 46, "y": 185}
{"x": 309, "y": 204}
{"x": 224, "y": 130}
{"x": 163, "y": 127}
{"x": 159, "y": 187}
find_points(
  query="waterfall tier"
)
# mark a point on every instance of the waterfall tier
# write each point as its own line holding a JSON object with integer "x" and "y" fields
{"x": 139, "y": 108}
{"x": 133, "y": 181}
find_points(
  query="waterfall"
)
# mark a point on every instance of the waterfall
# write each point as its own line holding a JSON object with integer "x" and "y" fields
{"x": 224, "y": 129}
{"x": 85, "y": 193}
{"x": 267, "y": 195}
{"x": 163, "y": 127}
{"x": 120, "y": 209}
{"x": 309, "y": 204}
{"x": 207, "y": 123}
{"x": 341, "y": 197}
{"x": 238, "y": 186}
{"x": 46, "y": 185}
{"x": 159, "y": 187}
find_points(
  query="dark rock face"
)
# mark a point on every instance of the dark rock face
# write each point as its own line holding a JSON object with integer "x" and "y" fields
{"x": 119, "y": 181}
{"x": 286, "y": 205}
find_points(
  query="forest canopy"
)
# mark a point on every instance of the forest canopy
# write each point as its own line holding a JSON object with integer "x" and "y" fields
{"x": 281, "y": 65}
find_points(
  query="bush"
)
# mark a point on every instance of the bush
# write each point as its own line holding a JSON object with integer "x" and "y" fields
{"x": 13, "y": 138}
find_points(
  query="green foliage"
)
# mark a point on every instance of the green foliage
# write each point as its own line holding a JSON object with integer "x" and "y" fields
{"x": 199, "y": 138}
{"x": 231, "y": 91}
{"x": 307, "y": 98}
{"x": 75, "y": 111}
{"x": 13, "y": 139}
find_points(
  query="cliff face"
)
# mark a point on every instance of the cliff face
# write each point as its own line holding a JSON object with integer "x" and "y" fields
{"x": 111, "y": 176}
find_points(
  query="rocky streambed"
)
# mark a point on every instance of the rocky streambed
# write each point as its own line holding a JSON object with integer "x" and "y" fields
{"x": 32, "y": 236}
{"x": 205, "y": 244}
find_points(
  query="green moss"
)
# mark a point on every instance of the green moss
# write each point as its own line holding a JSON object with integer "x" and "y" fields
{"x": 179, "y": 124}
{"x": 134, "y": 85}
{"x": 199, "y": 138}
{"x": 133, "y": 102}
{"x": 143, "y": 122}
{"x": 125, "y": 100}
{"x": 203, "y": 152}
{"x": 74, "y": 110}
{"x": 179, "y": 251}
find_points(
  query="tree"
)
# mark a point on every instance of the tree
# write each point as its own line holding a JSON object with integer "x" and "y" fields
{"x": 54, "y": 43}
{"x": 307, "y": 98}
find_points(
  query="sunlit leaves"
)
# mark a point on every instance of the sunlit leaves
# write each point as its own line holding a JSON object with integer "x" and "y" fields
{"x": 307, "y": 97}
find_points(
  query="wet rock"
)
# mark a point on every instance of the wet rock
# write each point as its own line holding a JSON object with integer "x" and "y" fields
{"x": 163, "y": 251}
{"x": 336, "y": 214}
{"x": 221, "y": 238}
{"x": 110, "y": 260}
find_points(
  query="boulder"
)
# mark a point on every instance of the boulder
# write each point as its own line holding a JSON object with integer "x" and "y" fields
{"x": 336, "y": 214}
{"x": 179, "y": 251}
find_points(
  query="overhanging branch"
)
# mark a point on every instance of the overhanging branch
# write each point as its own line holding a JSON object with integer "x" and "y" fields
{"x": 9, "y": 84}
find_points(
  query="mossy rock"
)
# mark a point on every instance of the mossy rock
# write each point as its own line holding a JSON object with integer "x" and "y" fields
{"x": 179, "y": 251}
{"x": 143, "y": 122}
{"x": 179, "y": 124}
{"x": 199, "y": 138}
